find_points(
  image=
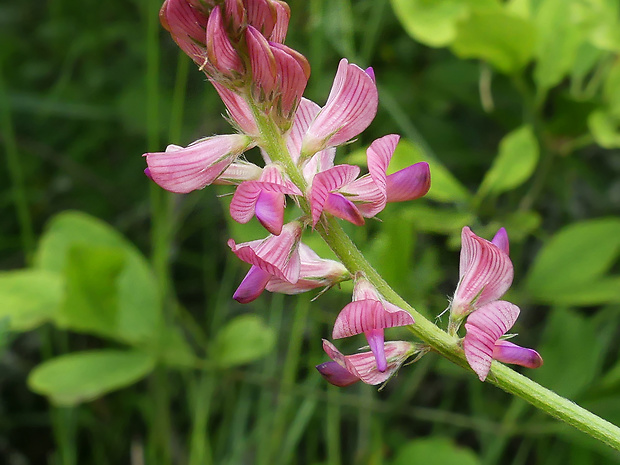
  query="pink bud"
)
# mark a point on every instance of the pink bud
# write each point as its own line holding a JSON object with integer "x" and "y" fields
{"x": 222, "y": 56}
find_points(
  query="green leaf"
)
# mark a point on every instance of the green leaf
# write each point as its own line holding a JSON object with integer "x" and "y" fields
{"x": 574, "y": 261}
{"x": 84, "y": 376}
{"x": 436, "y": 220}
{"x": 559, "y": 39}
{"x": 505, "y": 41}
{"x": 611, "y": 91}
{"x": 515, "y": 163}
{"x": 434, "y": 451}
{"x": 604, "y": 129}
{"x": 569, "y": 368}
{"x": 131, "y": 286}
{"x": 29, "y": 297}
{"x": 244, "y": 339}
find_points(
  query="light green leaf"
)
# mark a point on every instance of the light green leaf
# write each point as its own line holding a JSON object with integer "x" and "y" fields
{"x": 244, "y": 339}
{"x": 138, "y": 306}
{"x": 436, "y": 220}
{"x": 575, "y": 259}
{"x": 434, "y": 451}
{"x": 604, "y": 129}
{"x": 515, "y": 163}
{"x": 611, "y": 91}
{"x": 84, "y": 376}
{"x": 505, "y": 41}
{"x": 29, "y": 297}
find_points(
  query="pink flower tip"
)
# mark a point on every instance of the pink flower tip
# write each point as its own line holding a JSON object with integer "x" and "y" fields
{"x": 336, "y": 375}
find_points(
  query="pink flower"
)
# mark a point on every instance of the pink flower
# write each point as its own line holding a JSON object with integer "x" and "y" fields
{"x": 370, "y": 314}
{"x": 314, "y": 272}
{"x": 485, "y": 271}
{"x": 348, "y": 369}
{"x": 276, "y": 255}
{"x": 482, "y": 342}
{"x": 186, "y": 169}
{"x": 337, "y": 191}
{"x": 350, "y": 108}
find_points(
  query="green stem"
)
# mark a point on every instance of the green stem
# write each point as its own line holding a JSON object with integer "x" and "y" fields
{"x": 440, "y": 341}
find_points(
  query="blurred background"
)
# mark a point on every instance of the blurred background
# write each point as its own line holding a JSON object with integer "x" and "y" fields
{"x": 119, "y": 340}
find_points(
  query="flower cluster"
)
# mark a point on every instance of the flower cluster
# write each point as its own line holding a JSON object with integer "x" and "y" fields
{"x": 486, "y": 273}
{"x": 238, "y": 44}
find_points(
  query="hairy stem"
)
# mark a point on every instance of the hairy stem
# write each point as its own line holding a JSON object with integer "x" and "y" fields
{"x": 440, "y": 341}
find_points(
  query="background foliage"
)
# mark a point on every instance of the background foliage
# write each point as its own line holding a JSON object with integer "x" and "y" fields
{"x": 119, "y": 340}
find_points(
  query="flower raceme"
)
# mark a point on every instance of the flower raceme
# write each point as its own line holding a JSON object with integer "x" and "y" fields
{"x": 486, "y": 273}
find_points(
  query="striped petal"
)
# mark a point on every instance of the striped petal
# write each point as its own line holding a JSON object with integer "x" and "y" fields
{"x": 238, "y": 110}
{"x": 262, "y": 62}
{"x": 363, "y": 365}
{"x": 484, "y": 328}
{"x": 363, "y": 316}
{"x": 261, "y": 15}
{"x": 222, "y": 55}
{"x": 327, "y": 181}
{"x": 283, "y": 15}
{"x": 186, "y": 26}
{"x": 306, "y": 111}
{"x": 350, "y": 108}
{"x": 486, "y": 273}
{"x": 507, "y": 352}
{"x": 238, "y": 172}
{"x": 277, "y": 255}
{"x": 409, "y": 183}
{"x": 183, "y": 170}
{"x": 343, "y": 208}
{"x": 293, "y": 72}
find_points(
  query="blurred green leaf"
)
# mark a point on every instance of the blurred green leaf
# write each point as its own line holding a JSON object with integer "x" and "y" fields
{"x": 101, "y": 264}
{"x": 604, "y": 129}
{"x": 573, "y": 262}
{"x": 244, "y": 339}
{"x": 515, "y": 163}
{"x": 437, "y": 220}
{"x": 611, "y": 90}
{"x": 29, "y": 297}
{"x": 84, "y": 376}
{"x": 569, "y": 368}
{"x": 505, "y": 41}
{"x": 434, "y": 451}
{"x": 558, "y": 41}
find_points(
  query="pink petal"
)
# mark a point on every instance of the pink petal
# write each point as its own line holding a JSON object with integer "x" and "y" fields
{"x": 484, "y": 328}
{"x": 186, "y": 26}
{"x": 350, "y": 108}
{"x": 340, "y": 207}
{"x": 261, "y": 15}
{"x": 327, "y": 181}
{"x": 336, "y": 375}
{"x": 263, "y": 63}
{"x": 306, "y": 111}
{"x": 363, "y": 316}
{"x": 238, "y": 109}
{"x": 238, "y": 172}
{"x": 507, "y": 352}
{"x": 270, "y": 211}
{"x": 235, "y": 12}
{"x": 183, "y": 170}
{"x": 320, "y": 161}
{"x": 376, "y": 342}
{"x": 314, "y": 272}
{"x": 277, "y": 255}
{"x": 371, "y": 73}
{"x": 220, "y": 51}
{"x": 292, "y": 77}
{"x": 485, "y": 274}
{"x": 501, "y": 240}
{"x": 252, "y": 285}
{"x": 409, "y": 183}
{"x": 363, "y": 365}
{"x": 283, "y": 14}
{"x": 364, "y": 290}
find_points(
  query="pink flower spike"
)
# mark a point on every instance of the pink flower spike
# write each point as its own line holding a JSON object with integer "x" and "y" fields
{"x": 222, "y": 55}
{"x": 336, "y": 375}
{"x": 314, "y": 272}
{"x": 507, "y": 352}
{"x": 486, "y": 273}
{"x": 238, "y": 109}
{"x": 263, "y": 198}
{"x": 183, "y": 170}
{"x": 501, "y": 240}
{"x": 350, "y": 108}
{"x": 326, "y": 182}
{"x": 409, "y": 183}
{"x": 484, "y": 328}
{"x": 263, "y": 63}
{"x": 252, "y": 285}
{"x": 277, "y": 255}
{"x": 363, "y": 365}
{"x": 341, "y": 207}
